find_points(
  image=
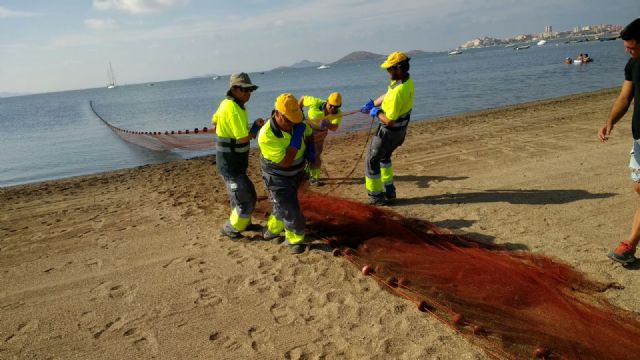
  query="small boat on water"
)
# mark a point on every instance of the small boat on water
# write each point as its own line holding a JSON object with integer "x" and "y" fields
{"x": 522, "y": 47}
{"x": 542, "y": 42}
{"x": 111, "y": 77}
{"x": 322, "y": 67}
{"x": 455, "y": 52}
{"x": 215, "y": 78}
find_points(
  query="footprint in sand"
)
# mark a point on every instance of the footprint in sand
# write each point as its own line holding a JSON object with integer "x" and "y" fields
{"x": 259, "y": 338}
{"x": 303, "y": 352}
{"x": 229, "y": 344}
{"x": 282, "y": 314}
{"x": 192, "y": 262}
{"x": 110, "y": 290}
{"x": 94, "y": 264}
{"x": 206, "y": 296}
{"x": 98, "y": 332}
{"x": 97, "y": 223}
{"x": 23, "y": 331}
{"x": 146, "y": 342}
{"x": 107, "y": 243}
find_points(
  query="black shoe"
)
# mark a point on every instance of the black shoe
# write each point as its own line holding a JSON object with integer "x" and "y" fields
{"x": 390, "y": 192}
{"x": 231, "y": 234}
{"x": 297, "y": 249}
{"x": 268, "y": 235}
{"x": 377, "y": 200}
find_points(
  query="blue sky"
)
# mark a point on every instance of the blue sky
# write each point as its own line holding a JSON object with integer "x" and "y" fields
{"x": 65, "y": 44}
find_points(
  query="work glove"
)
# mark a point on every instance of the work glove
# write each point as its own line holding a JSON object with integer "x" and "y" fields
{"x": 256, "y": 127}
{"x": 298, "y": 134}
{"x": 324, "y": 124}
{"x": 367, "y": 107}
{"x": 310, "y": 153}
{"x": 374, "y": 112}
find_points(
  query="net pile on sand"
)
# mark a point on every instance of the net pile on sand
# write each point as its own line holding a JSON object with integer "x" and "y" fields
{"x": 515, "y": 305}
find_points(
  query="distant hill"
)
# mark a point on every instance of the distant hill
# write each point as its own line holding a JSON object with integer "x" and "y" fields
{"x": 299, "y": 65}
{"x": 305, "y": 64}
{"x": 413, "y": 53}
{"x": 352, "y": 57}
{"x": 358, "y": 56}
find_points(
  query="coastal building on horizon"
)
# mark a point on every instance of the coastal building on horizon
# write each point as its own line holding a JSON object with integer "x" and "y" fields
{"x": 601, "y": 30}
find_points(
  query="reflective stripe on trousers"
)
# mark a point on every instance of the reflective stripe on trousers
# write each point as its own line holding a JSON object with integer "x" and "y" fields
{"x": 378, "y": 167}
{"x": 232, "y": 167}
{"x": 242, "y": 199}
{"x": 286, "y": 214}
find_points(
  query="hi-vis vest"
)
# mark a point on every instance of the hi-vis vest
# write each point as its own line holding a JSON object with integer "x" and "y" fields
{"x": 232, "y": 123}
{"x": 316, "y": 112}
{"x": 273, "y": 144}
{"x": 398, "y": 102}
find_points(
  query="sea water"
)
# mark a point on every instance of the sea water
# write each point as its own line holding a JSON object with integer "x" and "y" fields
{"x": 55, "y": 135}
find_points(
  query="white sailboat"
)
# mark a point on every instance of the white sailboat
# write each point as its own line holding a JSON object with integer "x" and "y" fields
{"x": 323, "y": 66}
{"x": 112, "y": 78}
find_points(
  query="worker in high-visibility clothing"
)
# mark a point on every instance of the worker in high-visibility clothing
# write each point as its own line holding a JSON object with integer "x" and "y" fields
{"x": 322, "y": 116}
{"x": 232, "y": 153}
{"x": 393, "y": 110}
{"x": 285, "y": 144}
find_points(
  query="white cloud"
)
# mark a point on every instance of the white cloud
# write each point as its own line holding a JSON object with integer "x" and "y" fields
{"x": 6, "y": 13}
{"x": 137, "y": 6}
{"x": 101, "y": 24}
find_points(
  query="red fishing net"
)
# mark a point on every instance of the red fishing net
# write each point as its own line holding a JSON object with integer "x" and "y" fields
{"x": 199, "y": 138}
{"x": 195, "y": 139}
{"x": 515, "y": 305}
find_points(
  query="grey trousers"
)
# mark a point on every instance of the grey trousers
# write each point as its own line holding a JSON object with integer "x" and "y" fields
{"x": 382, "y": 146}
{"x": 242, "y": 193}
{"x": 283, "y": 194}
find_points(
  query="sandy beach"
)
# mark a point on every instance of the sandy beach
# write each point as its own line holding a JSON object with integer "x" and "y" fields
{"x": 130, "y": 264}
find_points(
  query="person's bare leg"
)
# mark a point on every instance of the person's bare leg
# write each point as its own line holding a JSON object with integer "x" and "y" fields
{"x": 634, "y": 236}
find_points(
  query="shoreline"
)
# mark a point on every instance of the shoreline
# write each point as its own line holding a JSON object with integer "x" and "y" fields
{"x": 453, "y": 117}
{"x": 130, "y": 263}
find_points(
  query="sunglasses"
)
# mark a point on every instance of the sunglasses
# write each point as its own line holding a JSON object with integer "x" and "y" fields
{"x": 245, "y": 90}
{"x": 286, "y": 119}
{"x": 392, "y": 68}
{"x": 335, "y": 106}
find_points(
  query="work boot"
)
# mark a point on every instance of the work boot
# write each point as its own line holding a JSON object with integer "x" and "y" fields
{"x": 390, "y": 192}
{"x": 624, "y": 254}
{"x": 315, "y": 182}
{"x": 377, "y": 200}
{"x": 228, "y": 231}
{"x": 296, "y": 249}
{"x": 268, "y": 235}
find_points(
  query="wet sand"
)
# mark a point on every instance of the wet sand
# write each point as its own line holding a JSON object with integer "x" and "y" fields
{"x": 130, "y": 264}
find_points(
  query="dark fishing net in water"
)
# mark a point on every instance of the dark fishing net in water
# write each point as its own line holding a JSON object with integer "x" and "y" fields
{"x": 515, "y": 305}
{"x": 199, "y": 138}
{"x": 194, "y": 139}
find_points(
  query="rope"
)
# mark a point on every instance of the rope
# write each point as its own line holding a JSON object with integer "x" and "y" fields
{"x": 355, "y": 165}
{"x": 135, "y": 132}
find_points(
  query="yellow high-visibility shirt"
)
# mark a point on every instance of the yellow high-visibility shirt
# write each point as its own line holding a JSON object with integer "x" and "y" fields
{"x": 399, "y": 99}
{"x": 274, "y": 142}
{"x": 231, "y": 120}
{"x": 316, "y": 111}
